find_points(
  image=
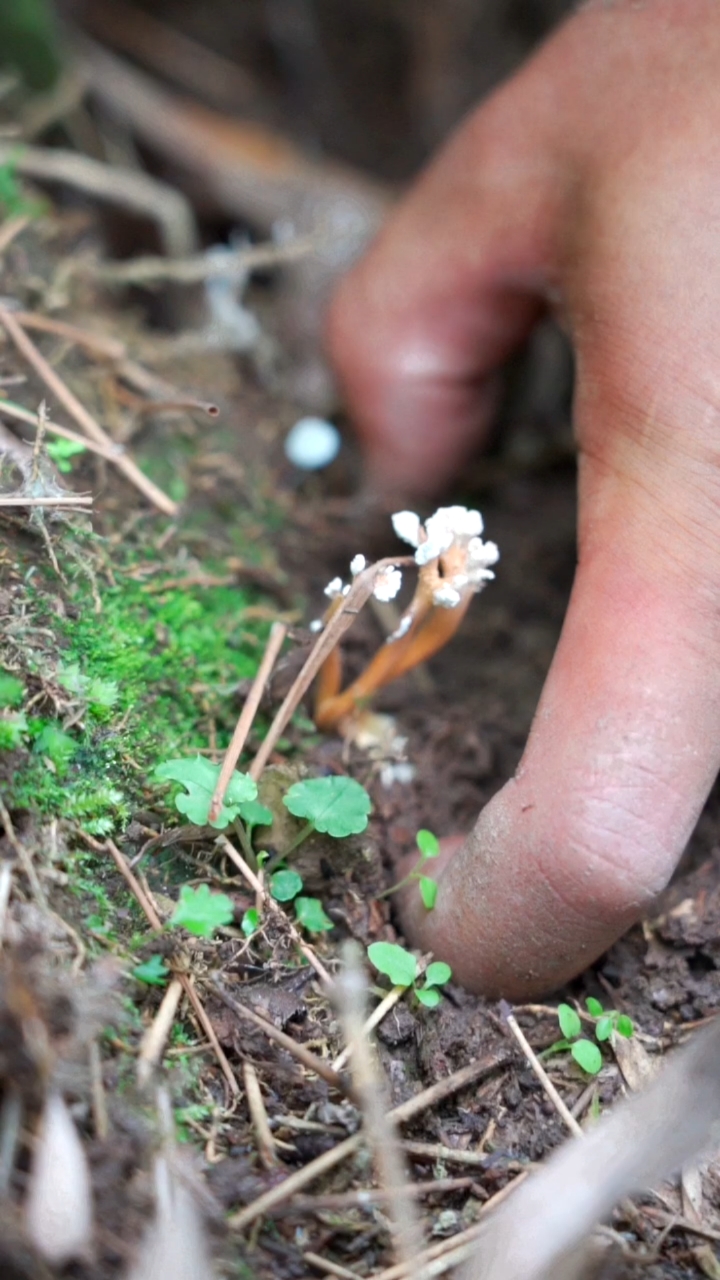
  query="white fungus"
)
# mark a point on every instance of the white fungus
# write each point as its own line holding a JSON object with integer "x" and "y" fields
{"x": 313, "y": 443}
{"x": 357, "y": 564}
{"x": 407, "y": 527}
{"x": 446, "y": 596}
{"x": 387, "y": 584}
{"x": 334, "y": 589}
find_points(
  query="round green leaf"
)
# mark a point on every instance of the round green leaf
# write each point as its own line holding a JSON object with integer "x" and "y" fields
{"x": 153, "y": 972}
{"x": 399, "y": 965}
{"x": 250, "y": 921}
{"x": 603, "y": 1027}
{"x": 429, "y": 996}
{"x": 587, "y": 1055}
{"x": 255, "y": 814}
{"x": 285, "y": 885}
{"x": 337, "y": 806}
{"x": 594, "y": 1007}
{"x": 569, "y": 1020}
{"x": 437, "y": 974}
{"x": 428, "y": 892}
{"x": 427, "y": 843}
{"x": 311, "y": 916}
{"x": 199, "y": 777}
{"x": 624, "y": 1026}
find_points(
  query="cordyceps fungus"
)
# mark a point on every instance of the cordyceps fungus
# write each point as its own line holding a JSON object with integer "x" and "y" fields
{"x": 454, "y": 565}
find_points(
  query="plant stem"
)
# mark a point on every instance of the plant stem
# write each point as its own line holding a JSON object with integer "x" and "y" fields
{"x": 280, "y": 857}
{"x": 413, "y": 874}
{"x": 246, "y": 843}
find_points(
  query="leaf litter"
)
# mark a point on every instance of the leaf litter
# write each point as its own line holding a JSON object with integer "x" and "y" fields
{"x": 464, "y": 735}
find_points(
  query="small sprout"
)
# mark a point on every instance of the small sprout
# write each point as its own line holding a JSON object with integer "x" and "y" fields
{"x": 202, "y": 912}
{"x": 199, "y": 777}
{"x": 336, "y": 806}
{"x": 153, "y": 972}
{"x": 285, "y": 885}
{"x": 12, "y": 690}
{"x": 587, "y": 1055}
{"x": 250, "y": 921}
{"x": 428, "y": 847}
{"x": 313, "y": 443}
{"x": 609, "y": 1020}
{"x": 310, "y": 914}
{"x": 63, "y": 451}
{"x": 401, "y": 967}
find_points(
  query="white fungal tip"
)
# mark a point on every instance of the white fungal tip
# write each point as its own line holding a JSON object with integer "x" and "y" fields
{"x": 407, "y": 527}
{"x": 402, "y": 628}
{"x": 387, "y": 584}
{"x": 313, "y": 443}
{"x": 334, "y": 589}
{"x": 357, "y": 564}
{"x": 58, "y": 1209}
{"x": 316, "y": 625}
{"x": 446, "y": 596}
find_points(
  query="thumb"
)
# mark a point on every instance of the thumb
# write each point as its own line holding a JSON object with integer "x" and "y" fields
{"x": 450, "y": 288}
{"x": 625, "y": 742}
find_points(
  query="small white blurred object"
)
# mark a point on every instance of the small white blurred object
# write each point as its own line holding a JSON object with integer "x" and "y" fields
{"x": 313, "y": 443}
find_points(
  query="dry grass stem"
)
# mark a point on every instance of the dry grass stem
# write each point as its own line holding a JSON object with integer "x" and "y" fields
{"x": 155, "y": 1038}
{"x": 82, "y": 416}
{"x": 269, "y": 904}
{"x": 11, "y": 229}
{"x": 330, "y": 1268}
{"x": 359, "y": 594}
{"x": 350, "y": 994}
{"x": 278, "y": 632}
{"x": 298, "y": 1051}
{"x": 233, "y": 265}
{"x": 127, "y": 188}
{"x": 10, "y": 410}
{"x": 258, "y": 1115}
{"x": 97, "y": 1093}
{"x": 141, "y": 897}
{"x": 96, "y": 344}
{"x": 547, "y": 1084}
{"x": 435, "y": 1151}
{"x": 24, "y": 858}
{"x": 394, "y": 995}
{"x": 400, "y": 1115}
{"x": 367, "y": 1197}
{"x": 5, "y": 889}
{"x": 74, "y": 503}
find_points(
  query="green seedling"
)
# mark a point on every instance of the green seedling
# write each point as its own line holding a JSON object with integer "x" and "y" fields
{"x": 202, "y": 912}
{"x": 428, "y": 847}
{"x": 337, "y": 806}
{"x": 63, "y": 451}
{"x": 13, "y": 728}
{"x": 401, "y": 967}
{"x": 12, "y": 690}
{"x": 153, "y": 972}
{"x": 285, "y": 886}
{"x": 250, "y": 922}
{"x": 585, "y": 1052}
{"x": 608, "y": 1020}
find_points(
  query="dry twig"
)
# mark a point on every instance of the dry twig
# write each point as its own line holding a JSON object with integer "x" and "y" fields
{"x": 153, "y": 1041}
{"x": 540, "y": 1071}
{"x": 82, "y": 416}
{"x": 278, "y": 632}
{"x": 258, "y": 1115}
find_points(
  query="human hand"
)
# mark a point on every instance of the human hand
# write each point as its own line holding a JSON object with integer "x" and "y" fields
{"x": 589, "y": 182}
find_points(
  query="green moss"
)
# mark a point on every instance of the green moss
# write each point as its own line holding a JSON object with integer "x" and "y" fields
{"x": 149, "y": 673}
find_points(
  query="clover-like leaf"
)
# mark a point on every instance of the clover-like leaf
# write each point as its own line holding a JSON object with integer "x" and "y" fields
{"x": 594, "y": 1007}
{"x": 437, "y": 974}
{"x": 255, "y": 814}
{"x": 587, "y": 1055}
{"x": 603, "y": 1027}
{"x": 153, "y": 972}
{"x": 202, "y": 912}
{"x": 250, "y": 921}
{"x": 428, "y": 891}
{"x": 569, "y": 1020}
{"x": 199, "y": 777}
{"x": 12, "y": 690}
{"x": 285, "y": 885}
{"x": 624, "y": 1026}
{"x": 429, "y": 996}
{"x": 337, "y": 806}
{"x": 391, "y": 959}
{"x": 311, "y": 915}
{"x": 427, "y": 843}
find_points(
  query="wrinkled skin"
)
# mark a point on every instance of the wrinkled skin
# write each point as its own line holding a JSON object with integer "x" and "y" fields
{"x": 589, "y": 182}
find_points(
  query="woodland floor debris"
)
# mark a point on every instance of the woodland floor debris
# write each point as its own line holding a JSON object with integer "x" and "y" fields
{"x": 142, "y": 646}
